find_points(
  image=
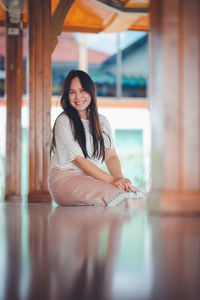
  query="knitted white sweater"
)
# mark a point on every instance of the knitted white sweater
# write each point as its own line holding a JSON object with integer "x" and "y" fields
{"x": 67, "y": 148}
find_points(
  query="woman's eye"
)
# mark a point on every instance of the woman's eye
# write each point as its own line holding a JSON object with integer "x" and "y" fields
{"x": 71, "y": 92}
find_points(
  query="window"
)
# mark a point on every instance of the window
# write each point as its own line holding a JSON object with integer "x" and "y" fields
{"x": 129, "y": 146}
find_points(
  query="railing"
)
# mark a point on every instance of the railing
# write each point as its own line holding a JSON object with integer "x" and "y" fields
{"x": 101, "y": 101}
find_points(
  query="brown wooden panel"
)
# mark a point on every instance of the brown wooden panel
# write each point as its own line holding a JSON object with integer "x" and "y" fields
{"x": 170, "y": 35}
{"x": 14, "y": 75}
{"x": 57, "y": 21}
{"x": 191, "y": 95}
{"x": 174, "y": 94}
{"x": 39, "y": 99}
{"x": 39, "y": 73}
{"x": 156, "y": 87}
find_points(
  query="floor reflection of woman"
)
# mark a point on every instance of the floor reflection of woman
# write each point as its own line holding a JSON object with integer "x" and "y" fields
{"x": 83, "y": 250}
{"x": 82, "y": 138}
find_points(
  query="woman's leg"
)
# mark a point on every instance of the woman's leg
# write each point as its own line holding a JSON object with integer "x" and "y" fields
{"x": 72, "y": 188}
{"x": 128, "y": 199}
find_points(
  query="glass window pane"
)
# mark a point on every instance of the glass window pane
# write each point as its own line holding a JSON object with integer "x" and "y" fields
{"x": 129, "y": 146}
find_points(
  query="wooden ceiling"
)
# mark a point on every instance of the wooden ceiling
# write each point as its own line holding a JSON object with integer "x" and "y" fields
{"x": 98, "y": 15}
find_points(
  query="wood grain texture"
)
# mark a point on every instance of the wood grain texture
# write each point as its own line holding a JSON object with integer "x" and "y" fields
{"x": 175, "y": 99}
{"x": 14, "y": 75}
{"x": 39, "y": 99}
{"x": 191, "y": 95}
{"x": 58, "y": 19}
{"x": 156, "y": 87}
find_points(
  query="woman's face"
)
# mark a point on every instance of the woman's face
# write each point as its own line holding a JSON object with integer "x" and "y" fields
{"x": 79, "y": 98}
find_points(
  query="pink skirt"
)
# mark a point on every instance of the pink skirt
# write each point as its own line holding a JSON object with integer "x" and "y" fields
{"x": 67, "y": 187}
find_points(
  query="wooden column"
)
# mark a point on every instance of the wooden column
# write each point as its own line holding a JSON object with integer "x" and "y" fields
{"x": 14, "y": 63}
{"x": 39, "y": 99}
{"x": 175, "y": 98}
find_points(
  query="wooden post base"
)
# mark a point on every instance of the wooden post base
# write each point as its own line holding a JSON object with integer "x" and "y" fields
{"x": 13, "y": 197}
{"x": 39, "y": 197}
{"x": 174, "y": 202}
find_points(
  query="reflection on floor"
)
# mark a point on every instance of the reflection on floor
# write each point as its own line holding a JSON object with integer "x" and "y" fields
{"x": 96, "y": 253}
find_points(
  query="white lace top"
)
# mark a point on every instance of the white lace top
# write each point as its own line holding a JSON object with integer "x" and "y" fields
{"x": 67, "y": 148}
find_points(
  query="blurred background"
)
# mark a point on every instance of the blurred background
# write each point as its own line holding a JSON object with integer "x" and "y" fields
{"x": 118, "y": 64}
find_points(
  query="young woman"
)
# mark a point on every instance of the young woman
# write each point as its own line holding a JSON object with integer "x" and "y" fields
{"x": 82, "y": 138}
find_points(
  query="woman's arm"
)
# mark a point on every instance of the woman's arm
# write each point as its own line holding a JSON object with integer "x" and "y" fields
{"x": 92, "y": 170}
{"x": 113, "y": 163}
{"x": 114, "y": 167}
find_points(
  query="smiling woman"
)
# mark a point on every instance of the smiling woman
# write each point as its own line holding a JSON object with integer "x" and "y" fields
{"x": 79, "y": 98}
{"x": 81, "y": 139}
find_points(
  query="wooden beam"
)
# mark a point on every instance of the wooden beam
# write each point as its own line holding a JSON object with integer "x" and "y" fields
{"x": 88, "y": 29}
{"x": 175, "y": 98}
{"x": 120, "y": 23}
{"x": 58, "y": 19}
{"x": 123, "y": 10}
{"x": 14, "y": 75}
{"x": 39, "y": 99}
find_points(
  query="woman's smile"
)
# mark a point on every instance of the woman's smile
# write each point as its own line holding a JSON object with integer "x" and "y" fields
{"x": 80, "y": 102}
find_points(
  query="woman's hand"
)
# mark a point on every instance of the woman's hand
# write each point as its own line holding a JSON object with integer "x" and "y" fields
{"x": 124, "y": 184}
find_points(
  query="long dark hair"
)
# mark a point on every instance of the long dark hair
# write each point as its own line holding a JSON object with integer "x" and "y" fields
{"x": 76, "y": 123}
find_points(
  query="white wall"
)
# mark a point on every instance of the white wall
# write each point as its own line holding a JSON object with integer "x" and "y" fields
{"x": 119, "y": 118}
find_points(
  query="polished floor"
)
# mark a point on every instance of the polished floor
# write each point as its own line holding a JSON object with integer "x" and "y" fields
{"x": 86, "y": 253}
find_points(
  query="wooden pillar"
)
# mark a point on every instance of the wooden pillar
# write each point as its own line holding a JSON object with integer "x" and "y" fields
{"x": 39, "y": 99}
{"x": 14, "y": 65}
{"x": 175, "y": 98}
